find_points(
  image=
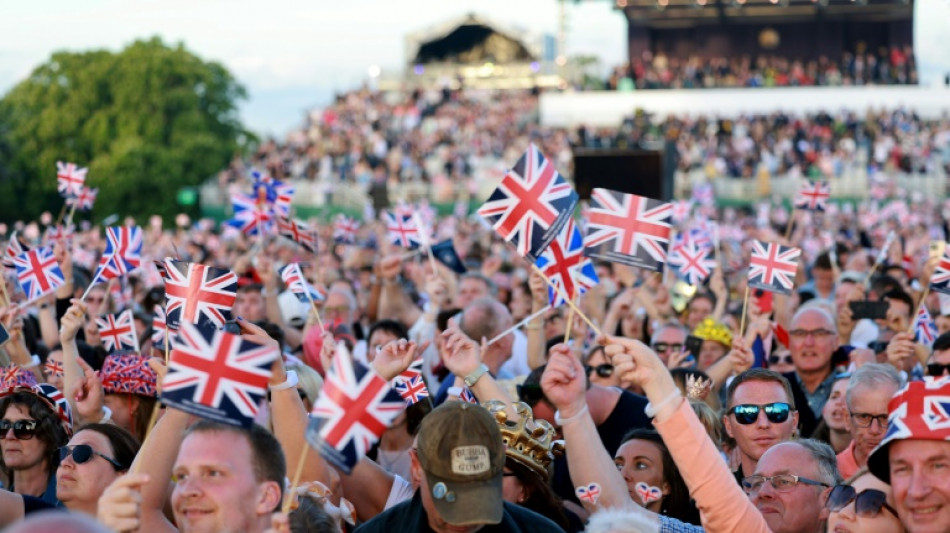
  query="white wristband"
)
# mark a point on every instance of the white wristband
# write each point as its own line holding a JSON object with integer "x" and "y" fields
{"x": 564, "y": 421}
{"x": 107, "y": 417}
{"x": 651, "y": 411}
{"x": 291, "y": 382}
{"x": 34, "y": 362}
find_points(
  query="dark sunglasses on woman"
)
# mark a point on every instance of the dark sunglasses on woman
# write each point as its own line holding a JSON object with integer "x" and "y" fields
{"x": 82, "y": 453}
{"x": 22, "y": 429}
{"x": 604, "y": 371}
{"x": 747, "y": 413}
{"x": 867, "y": 504}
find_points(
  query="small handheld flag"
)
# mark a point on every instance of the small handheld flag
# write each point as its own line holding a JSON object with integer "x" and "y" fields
{"x": 118, "y": 332}
{"x": 563, "y": 262}
{"x": 38, "y": 273}
{"x": 123, "y": 253}
{"x": 628, "y": 229}
{"x": 773, "y": 267}
{"x": 297, "y": 284}
{"x": 813, "y": 196}
{"x": 410, "y": 384}
{"x": 69, "y": 179}
{"x": 196, "y": 293}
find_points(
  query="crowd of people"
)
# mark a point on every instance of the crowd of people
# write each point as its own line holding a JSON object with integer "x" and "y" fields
{"x": 888, "y": 66}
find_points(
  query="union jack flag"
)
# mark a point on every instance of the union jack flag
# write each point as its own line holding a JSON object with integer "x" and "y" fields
{"x": 531, "y": 204}
{"x": 921, "y": 409}
{"x": 925, "y": 331}
{"x": 354, "y": 408}
{"x": 410, "y": 385}
{"x": 692, "y": 263}
{"x": 59, "y": 403}
{"x": 38, "y": 273}
{"x": 297, "y": 284}
{"x": 118, "y": 332}
{"x": 121, "y": 294}
{"x": 345, "y": 229}
{"x": 704, "y": 194}
{"x": 84, "y": 200}
{"x": 465, "y": 395}
{"x": 127, "y": 373}
{"x": 298, "y": 232}
{"x": 83, "y": 257}
{"x": 217, "y": 375}
{"x": 940, "y": 280}
{"x": 13, "y": 376}
{"x": 159, "y": 328}
{"x": 273, "y": 193}
{"x": 628, "y": 229}
{"x": 195, "y": 293}
{"x": 402, "y": 209}
{"x": 402, "y": 230}
{"x": 250, "y": 215}
{"x": 772, "y": 266}
{"x": 123, "y": 253}
{"x": 14, "y": 248}
{"x": 813, "y": 196}
{"x": 58, "y": 233}
{"x": 54, "y": 368}
{"x": 563, "y": 262}
{"x": 681, "y": 210}
{"x": 69, "y": 179}
{"x": 589, "y": 494}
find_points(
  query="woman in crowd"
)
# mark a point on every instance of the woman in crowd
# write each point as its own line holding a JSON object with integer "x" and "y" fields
{"x": 130, "y": 391}
{"x": 862, "y": 504}
{"x": 95, "y": 456}
{"x": 834, "y": 427}
{"x": 717, "y": 339}
{"x": 600, "y": 371}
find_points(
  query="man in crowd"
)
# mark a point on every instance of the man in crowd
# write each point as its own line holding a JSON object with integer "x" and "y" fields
{"x": 813, "y": 338}
{"x": 668, "y": 339}
{"x": 869, "y": 390}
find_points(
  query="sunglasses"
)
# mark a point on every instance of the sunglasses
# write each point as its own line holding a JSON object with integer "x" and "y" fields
{"x": 22, "y": 429}
{"x": 748, "y": 413}
{"x": 664, "y": 347}
{"x": 868, "y": 504}
{"x": 936, "y": 369}
{"x": 604, "y": 371}
{"x": 82, "y": 453}
{"x": 785, "y": 359}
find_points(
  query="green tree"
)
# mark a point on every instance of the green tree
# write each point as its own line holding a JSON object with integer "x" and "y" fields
{"x": 145, "y": 121}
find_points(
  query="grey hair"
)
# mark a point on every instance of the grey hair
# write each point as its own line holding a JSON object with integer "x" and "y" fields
{"x": 632, "y": 519}
{"x": 489, "y": 283}
{"x": 350, "y": 298}
{"x": 873, "y": 376}
{"x": 825, "y": 458}
{"x": 667, "y": 325}
{"x": 819, "y": 308}
{"x": 489, "y": 318}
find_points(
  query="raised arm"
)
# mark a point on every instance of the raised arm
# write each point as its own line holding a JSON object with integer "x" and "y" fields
{"x": 463, "y": 356}
{"x": 265, "y": 269}
{"x": 394, "y": 303}
{"x": 534, "y": 330}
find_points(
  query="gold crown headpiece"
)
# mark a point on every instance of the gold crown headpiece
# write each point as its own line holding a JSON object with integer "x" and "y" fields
{"x": 710, "y": 330}
{"x": 528, "y": 441}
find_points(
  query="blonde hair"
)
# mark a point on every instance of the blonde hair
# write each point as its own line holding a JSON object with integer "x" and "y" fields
{"x": 309, "y": 381}
{"x": 709, "y": 419}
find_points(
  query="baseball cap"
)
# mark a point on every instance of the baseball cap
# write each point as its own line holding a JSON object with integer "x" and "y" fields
{"x": 916, "y": 412}
{"x": 463, "y": 456}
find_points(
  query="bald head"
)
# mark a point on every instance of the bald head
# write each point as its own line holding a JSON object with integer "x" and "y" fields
{"x": 58, "y": 522}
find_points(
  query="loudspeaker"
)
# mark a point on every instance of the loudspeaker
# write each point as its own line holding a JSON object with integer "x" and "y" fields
{"x": 642, "y": 172}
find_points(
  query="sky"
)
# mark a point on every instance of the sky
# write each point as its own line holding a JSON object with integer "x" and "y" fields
{"x": 291, "y": 55}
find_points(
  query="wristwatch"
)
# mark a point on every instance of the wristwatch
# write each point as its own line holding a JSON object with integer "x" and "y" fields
{"x": 475, "y": 375}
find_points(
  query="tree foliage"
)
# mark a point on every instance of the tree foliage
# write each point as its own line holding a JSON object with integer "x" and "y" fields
{"x": 146, "y": 121}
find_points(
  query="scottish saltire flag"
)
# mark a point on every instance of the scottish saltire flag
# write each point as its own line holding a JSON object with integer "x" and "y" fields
{"x": 410, "y": 385}
{"x": 401, "y": 229}
{"x": 38, "y": 273}
{"x": 250, "y": 215}
{"x": 84, "y": 200}
{"x": 355, "y": 407}
{"x": 159, "y": 328}
{"x": 445, "y": 253}
{"x": 693, "y": 264}
{"x": 298, "y": 232}
{"x": 273, "y": 193}
{"x": 297, "y": 284}
{"x": 217, "y": 375}
{"x": 69, "y": 179}
{"x": 628, "y": 229}
{"x": 563, "y": 262}
{"x": 531, "y": 204}
{"x": 14, "y": 248}
{"x": 813, "y": 196}
{"x": 117, "y": 332}
{"x": 197, "y": 293}
{"x": 925, "y": 331}
{"x": 772, "y": 266}
{"x": 940, "y": 280}
{"x": 123, "y": 253}
{"x": 345, "y": 229}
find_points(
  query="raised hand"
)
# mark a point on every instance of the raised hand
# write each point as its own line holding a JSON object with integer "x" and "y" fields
{"x": 462, "y": 355}
{"x": 390, "y": 267}
{"x": 396, "y": 356}
{"x": 564, "y": 381}
{"x": 120, "y": 506}
{"x": 638, "y": 364}
{"x": 741, "y": 356}
{"x": 89, "y": 396}
{"x": 900, "y": 349}
{"x": 72, "y": 321}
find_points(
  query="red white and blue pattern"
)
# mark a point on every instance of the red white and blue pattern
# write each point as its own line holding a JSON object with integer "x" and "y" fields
{"x": 128, "y": 373}
{"x": 563, "y": 262}
{"x": 355, "y": 407}
{"x": 465, "y": 395}
{"x": 123, "y": 253}
{"x": 54, "y": 368}
{"x": 217, "y": 375}
{"x": 195, "y": 293}
{"x": 118, "y": 332}
{"x": 920, "y": 410}
{"x": 772, "y": 267}
{"x": 85, "y": 200}
{"x": 692, "y": 263}
{"x": 940, "y": 280}
{"x": 60, "y": 233}
{"x": 276, "y": 194}
{"x": 69, "y": 179}
{"x": 681, "y": 210}
{"x": 250, "y": 215}
{"x": 298, "y": 232}
{"x": 345, "y": 229}
{"x": 588, "y": 494}
{"x": 925, "y": 331}
{"x": 14, "y": 248}
{"x": 13, "y": 376}
{"x": 401, "y": 229}
{"x": 57, "y": 401}
{"x": 629, "y": 229}
{"x": 410, "y": 385}
{"x": 704, "y": 194}
{"x": 297, "y": 284}
{"x": 38, "y": 273}
{"x": 159, "y": 328}
{"x": 531, "y": 204}
{"x": 813, "y": 196}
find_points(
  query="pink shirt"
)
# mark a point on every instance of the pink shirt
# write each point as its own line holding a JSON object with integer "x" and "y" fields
{"x": 847, "y": 464}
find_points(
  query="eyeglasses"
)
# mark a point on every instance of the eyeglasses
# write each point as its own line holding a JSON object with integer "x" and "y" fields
{"x": 818, "y": 334}
{"x": 553, "y": 318}
{"x": 82, "y": 453}
{"x": 785, "y": 359}
{"x": 868, "y": 504}
{"x": 22, "y": 429}
{"x": 667, "y": 347}
{"x": 336, "y": 310}
{"x": 748, "y": 413}
{"x": 530, "y": 393}
{"x": 936, "y": 369}
{"x": 780, "y": 482}
{"x": 604, "y": 371}
{"x": 863, "y": 420}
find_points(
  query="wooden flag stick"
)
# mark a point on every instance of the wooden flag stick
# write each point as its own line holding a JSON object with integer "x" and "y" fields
{"x": 524, "y": 321}
{"x": 72, "y": 211}
{"x": 568, "y": 300}
{"x": 313, "y": 304}
{"x": 791, "y": 224}
{"x": 6, "y": 295}
{"x": 923, "y": 299}
{"x": 62, "y": 212}
{"x": 289, "y": 497}
{"x": 570, "y": 322}
{"x": 745, "y": 308}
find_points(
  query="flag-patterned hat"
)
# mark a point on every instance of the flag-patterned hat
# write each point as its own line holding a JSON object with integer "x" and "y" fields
{"x": 15, "y": 379}
{"x": 12, "y": 377}
{"x": 919, "y": 411}
{"x": 127, "y": 373}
